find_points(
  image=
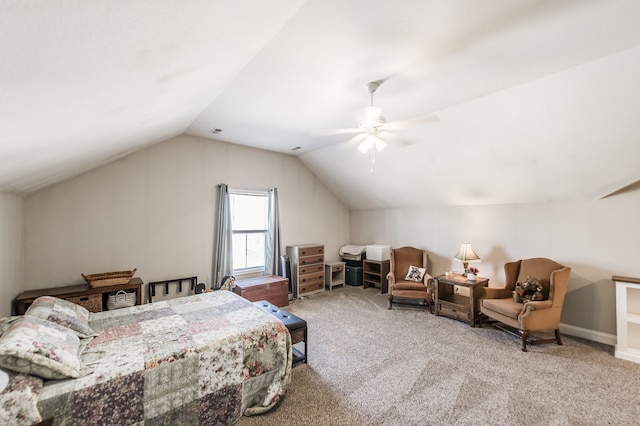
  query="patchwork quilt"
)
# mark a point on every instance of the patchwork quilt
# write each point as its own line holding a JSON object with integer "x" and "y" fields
{"x": 205, "y": 359}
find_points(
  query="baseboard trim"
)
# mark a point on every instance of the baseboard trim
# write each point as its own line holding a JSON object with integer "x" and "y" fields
{"x": 585, "y": 333}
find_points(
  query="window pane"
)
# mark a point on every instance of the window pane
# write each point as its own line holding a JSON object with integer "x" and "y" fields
{"x": 255, "y": 250}
{"x": 239, "y": 251}
{"x": 248, "y": 212}
{"x": 248, "y": 250}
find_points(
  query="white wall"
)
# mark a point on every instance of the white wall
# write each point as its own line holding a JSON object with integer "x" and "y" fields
{"x": 154, "y": 211}
{"x": 597, "y": 239}
{"x": 10, "y": 250}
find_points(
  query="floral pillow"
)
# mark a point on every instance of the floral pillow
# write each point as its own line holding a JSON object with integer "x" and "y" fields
{"x": 6, "y": 322}
{"x": 18, "y": 401}
{"x": 415, "y": 274}
{"x": 62, "y": 312}
{"x": 41, "y": 348}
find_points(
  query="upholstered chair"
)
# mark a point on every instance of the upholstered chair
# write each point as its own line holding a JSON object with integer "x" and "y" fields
{"x": 521, "y": 318}
{"x": 402, "y": 284}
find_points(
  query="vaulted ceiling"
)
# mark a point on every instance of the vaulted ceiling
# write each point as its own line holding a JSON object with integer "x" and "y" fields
{"x": 527, "y": 100}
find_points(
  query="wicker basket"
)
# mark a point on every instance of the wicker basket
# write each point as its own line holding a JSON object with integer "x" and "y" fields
{"x": 121, "y": 299}
{"x": 93, "y": 302}
{"x": 105, "y": 279}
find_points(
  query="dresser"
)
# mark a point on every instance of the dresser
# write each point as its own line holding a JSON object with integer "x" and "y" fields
{"x": 307, "y": 269}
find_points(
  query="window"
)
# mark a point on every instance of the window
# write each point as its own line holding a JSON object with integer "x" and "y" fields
{"x": 249, "y": 218}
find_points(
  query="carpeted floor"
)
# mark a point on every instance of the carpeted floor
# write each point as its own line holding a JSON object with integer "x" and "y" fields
{"x": 369, "y": 365}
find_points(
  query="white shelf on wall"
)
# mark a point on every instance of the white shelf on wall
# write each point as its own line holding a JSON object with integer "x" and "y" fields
{"x": 628, "y": 318}
{"x": 634, "y": 318}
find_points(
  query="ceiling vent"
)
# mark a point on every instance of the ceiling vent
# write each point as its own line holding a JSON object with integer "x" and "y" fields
{"x": 215, "y": 131}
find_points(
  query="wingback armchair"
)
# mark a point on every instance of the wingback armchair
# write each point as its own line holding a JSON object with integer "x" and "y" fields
{"x": 531, "y": 315}
{"x": 402, "y": 288}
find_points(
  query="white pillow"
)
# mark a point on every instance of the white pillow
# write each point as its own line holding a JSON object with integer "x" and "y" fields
{"x": 41, "y": 348}
{"x": 62, "y": 312}
{"x": 415, "y": 274}
{"x": 4, "y": 380}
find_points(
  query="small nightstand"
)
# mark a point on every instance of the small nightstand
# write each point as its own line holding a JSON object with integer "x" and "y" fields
{"x": 334, "y": 274}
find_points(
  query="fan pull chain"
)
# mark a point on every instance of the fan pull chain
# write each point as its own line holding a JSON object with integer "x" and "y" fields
{"x": 373, "y": 157}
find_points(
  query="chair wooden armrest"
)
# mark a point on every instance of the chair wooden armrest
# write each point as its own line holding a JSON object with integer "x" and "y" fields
{"x": 391, "y": 277}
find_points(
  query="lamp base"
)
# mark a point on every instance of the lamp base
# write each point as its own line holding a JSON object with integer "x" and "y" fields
{"x": 465, "y": 265}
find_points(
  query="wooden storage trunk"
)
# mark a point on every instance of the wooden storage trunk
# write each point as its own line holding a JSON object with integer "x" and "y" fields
{"x": 272, "y": 288}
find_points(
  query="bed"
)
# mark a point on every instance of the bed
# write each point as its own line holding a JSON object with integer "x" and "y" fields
{"x": 202, "y": 359}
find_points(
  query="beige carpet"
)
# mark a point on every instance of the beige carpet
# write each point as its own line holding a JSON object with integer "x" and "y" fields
{"x": 369, "y": 365}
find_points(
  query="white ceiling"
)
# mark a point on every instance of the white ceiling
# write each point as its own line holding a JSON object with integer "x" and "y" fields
{"x": 536, "y": 100}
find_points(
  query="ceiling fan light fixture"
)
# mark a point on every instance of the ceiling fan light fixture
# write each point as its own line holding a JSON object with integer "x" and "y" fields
{"x": 379, "y": 144}
{"x": 366, "y": 144}
{"x": 372, "y": 141}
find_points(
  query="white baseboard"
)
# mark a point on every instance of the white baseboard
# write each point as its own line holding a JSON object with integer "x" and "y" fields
{"x": 585, "y": 333}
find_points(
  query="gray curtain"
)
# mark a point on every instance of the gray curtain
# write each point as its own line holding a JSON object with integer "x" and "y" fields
{"x": 273, "y": 235}
{"x": 222, "y": 238}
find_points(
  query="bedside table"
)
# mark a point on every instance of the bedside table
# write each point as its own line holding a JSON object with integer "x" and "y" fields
{"x": 334, "y": 274}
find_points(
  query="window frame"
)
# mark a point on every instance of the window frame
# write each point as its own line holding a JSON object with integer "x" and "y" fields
{"x": 252, "y": 192}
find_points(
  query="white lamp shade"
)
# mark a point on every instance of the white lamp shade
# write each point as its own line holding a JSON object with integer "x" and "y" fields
{"x": 466, "y": 253}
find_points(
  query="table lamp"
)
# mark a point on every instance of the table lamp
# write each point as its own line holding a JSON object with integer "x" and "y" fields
{"x": 466, "y": 255}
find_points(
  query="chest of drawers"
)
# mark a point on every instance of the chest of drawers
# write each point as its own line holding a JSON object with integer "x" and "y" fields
{"x": 307, "y": 269}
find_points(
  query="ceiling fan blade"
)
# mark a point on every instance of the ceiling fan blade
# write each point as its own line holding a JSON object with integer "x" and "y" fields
{"x": 416, "y": 121}
{"x": 349, "y": 144}
{"x": 395, "y": 139}
{"x": 332, "y": 132}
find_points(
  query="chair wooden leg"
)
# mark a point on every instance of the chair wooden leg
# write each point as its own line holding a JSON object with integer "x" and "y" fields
{"x": 390, "y": 301}
{"x": 525, "y": 335}
{"x": 558, "y": 339}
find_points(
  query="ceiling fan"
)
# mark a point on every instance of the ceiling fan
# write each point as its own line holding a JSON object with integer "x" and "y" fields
{"x": 373, "y": 124}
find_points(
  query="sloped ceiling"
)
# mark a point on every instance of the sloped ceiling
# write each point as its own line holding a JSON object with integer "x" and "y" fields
{"x": 535, "y": 100}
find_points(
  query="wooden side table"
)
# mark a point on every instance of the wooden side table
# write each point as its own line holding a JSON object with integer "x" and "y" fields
{"x": 78, "y": 293}
{"x": 451, "y": 304}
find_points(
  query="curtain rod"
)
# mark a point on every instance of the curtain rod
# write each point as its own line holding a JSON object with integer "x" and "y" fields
{"x": 248, "y": 189}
